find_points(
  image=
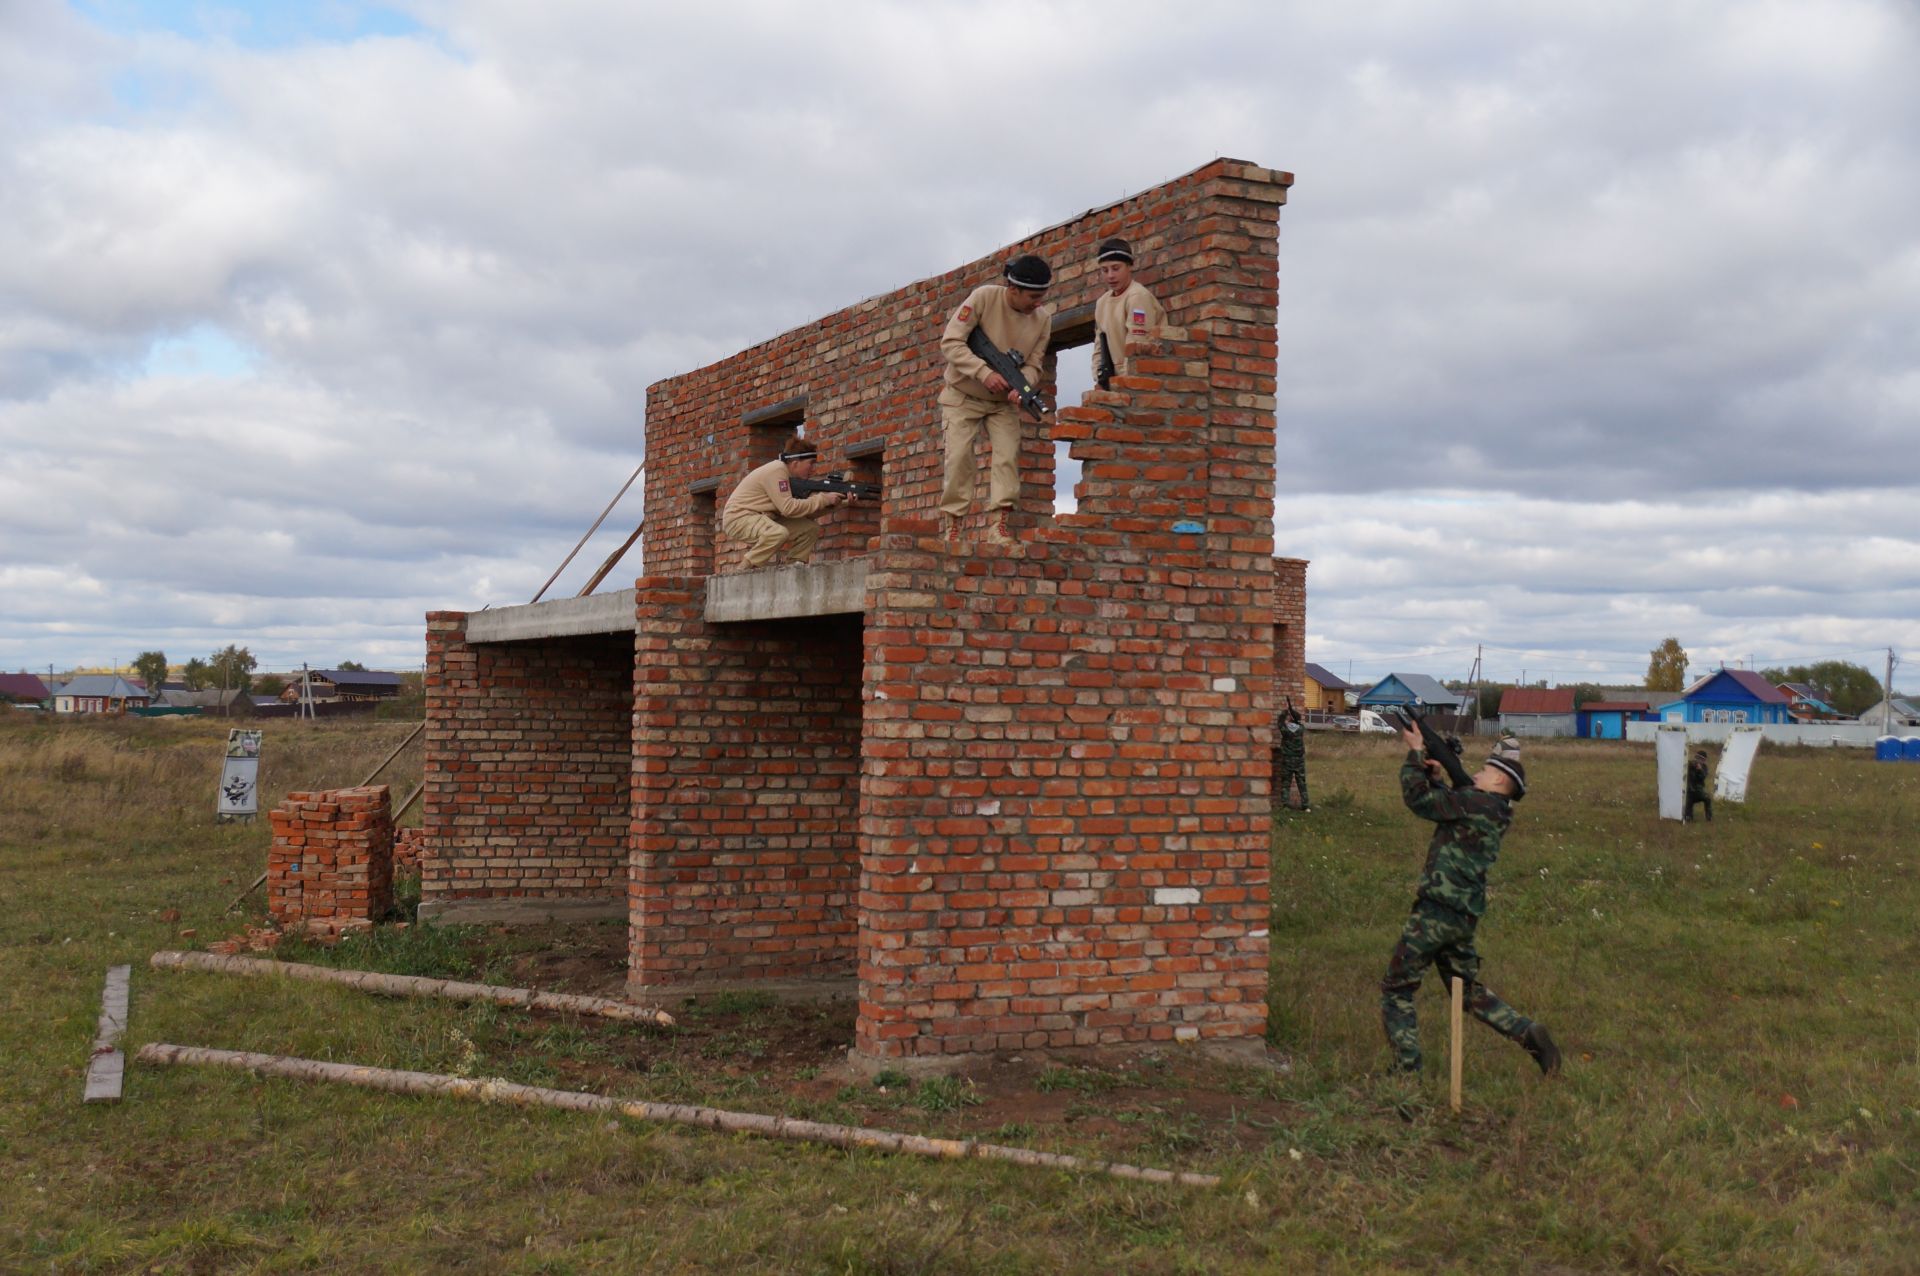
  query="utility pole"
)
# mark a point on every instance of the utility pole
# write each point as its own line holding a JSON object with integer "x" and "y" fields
{"x": 1473, "y": 687}
{"x": 1886, "y": 706}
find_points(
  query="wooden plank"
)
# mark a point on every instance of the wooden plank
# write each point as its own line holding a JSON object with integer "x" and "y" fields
{"x": 107, "y": 1069}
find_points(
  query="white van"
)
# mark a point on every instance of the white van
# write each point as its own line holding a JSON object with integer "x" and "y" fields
{"x": 1371, "y": 721}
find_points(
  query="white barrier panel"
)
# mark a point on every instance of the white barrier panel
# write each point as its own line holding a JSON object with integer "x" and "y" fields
{"x": 1670, "y": 753}
{"x": 1736, "y": 764}
{"x": 1821, "y": 735}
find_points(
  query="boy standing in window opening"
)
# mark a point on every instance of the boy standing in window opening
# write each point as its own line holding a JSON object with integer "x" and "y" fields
{"x": 1125, "y": 310}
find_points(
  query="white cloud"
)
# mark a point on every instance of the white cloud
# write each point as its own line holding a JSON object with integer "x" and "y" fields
{"x": 1596, "y": 320}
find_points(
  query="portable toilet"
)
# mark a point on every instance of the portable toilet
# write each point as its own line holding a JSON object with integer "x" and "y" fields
{"x": 1887, "y": 749}
{"x": 1911, "y": 749}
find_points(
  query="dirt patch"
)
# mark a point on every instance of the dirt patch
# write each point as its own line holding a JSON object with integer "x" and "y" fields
{"x": 746, "y": 1050}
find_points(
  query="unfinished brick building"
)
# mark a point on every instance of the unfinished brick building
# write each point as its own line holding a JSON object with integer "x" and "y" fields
{"x": 1016, "y": 798}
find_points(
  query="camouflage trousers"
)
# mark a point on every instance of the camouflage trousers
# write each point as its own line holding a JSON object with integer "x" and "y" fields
{"x": 1294, "y": 773}
{"x": 1443, "y": 938}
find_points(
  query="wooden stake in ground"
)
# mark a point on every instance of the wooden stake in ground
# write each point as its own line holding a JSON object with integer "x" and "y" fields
{"x": 774, "y": 1127}
{"x": 1456, "y": 1038}
{"x": 108, "y": 1067}
{"x": 414, "y": 986}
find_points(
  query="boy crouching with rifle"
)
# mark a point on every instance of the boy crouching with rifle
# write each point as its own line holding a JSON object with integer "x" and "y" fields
{"x": 1470, "y": 822}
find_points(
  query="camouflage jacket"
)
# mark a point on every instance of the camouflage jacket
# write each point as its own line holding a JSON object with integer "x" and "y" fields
{"x": 1696, "y": 779}
{"x": 1466, "y": 843}
{"x": 1293, "y": 744}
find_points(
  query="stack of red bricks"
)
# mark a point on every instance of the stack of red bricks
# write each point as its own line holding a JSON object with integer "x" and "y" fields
{"x": 331, "y": 866}
{"x": 409, "y": 847}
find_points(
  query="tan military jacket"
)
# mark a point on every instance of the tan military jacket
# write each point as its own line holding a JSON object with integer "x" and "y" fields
{"x": 987, "y": 307}
{"x": 1134, "y": 313}
{"x": 765, "y": 492}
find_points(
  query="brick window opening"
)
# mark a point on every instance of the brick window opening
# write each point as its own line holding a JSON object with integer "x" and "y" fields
{"x": 769, "y": 427}
{"x": 1071, "y": 356}
{"x": 864, "y": 462}
{"x": 704, "y": 521}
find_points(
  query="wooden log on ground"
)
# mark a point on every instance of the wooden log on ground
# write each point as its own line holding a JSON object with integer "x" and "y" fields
{"x": 773, "y": 1127}
{"x": 107, "y": 1067}
{"x": 415, "y": 986}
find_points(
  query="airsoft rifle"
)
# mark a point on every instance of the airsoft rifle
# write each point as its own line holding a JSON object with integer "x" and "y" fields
{"x": 1435, "y": 745}
{"x": 835, "y": 482}
{"x": 1104, "y": 369}
{"x": 1007, "y": 364}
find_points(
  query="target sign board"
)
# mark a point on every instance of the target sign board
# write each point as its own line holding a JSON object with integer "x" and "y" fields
{"x": 239, "y": 795}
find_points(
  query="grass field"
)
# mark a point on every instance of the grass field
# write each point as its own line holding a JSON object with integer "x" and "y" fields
{"x": 1742, "y": 1091}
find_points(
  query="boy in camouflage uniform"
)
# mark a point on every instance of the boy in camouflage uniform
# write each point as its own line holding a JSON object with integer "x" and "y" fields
{"x": 1697, "y": 791}
{"x": 1451, "y": 899}
{"x": 1293, "y": 758}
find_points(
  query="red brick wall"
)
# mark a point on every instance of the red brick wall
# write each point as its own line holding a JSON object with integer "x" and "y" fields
{"x": 1206, "y": 244}
{"x": 331, "y": 864}
{"x": 528, "y": 765}
{"x": 1065, "y": 781}
{"x": 1290, "y": 632}
{"x": 746, "y": 789}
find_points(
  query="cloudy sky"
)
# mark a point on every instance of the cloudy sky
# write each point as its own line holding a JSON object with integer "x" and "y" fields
{"x": 1598, "y": 320}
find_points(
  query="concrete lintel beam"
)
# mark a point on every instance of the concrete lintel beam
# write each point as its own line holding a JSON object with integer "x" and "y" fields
{"x": 780, "y": 593}
{"x": 555, "y": 618}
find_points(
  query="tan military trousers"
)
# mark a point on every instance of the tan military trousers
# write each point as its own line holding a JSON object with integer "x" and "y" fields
{"x": 962, "y": 415}
{"x": 766, "y": 533}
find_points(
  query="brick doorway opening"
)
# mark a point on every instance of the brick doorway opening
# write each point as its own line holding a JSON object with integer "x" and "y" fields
{"x": 746, "y": 868}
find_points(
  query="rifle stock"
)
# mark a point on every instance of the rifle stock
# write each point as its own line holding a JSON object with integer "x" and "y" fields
{"x": 1104, "y": 371}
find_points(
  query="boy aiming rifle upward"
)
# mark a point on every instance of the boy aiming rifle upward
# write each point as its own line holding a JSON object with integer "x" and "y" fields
{"x": 1469, "y": 823}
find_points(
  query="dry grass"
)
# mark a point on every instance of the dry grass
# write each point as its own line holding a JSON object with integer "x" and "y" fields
{"x": 1744, "y": 1056}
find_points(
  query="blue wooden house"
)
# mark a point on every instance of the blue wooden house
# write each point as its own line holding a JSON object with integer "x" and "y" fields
{"x": 1730, "y": 695}
{"x": 1416, "y": 689}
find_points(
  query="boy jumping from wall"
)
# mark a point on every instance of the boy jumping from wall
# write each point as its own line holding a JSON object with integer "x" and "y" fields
{"x": 1452, "y": 897}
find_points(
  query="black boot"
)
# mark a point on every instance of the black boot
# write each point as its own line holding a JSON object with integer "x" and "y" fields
{"x": 1537, "y": 1043}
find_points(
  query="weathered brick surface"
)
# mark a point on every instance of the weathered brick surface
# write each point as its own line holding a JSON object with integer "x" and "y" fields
{"x": 1063, "y": 748}
{"x": 528, "y": 762}
{"x": 331, "y": 864}
{"x": 745, "y": 794}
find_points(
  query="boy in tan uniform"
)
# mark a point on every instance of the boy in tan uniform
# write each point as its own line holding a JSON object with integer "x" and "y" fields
{"x": 764, "y": 513}
{"x": 975, "y": 395}
{"x": 1125, "y": 310}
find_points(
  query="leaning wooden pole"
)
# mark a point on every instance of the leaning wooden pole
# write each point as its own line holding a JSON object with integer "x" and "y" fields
{"x": 773, "y": 1127}
{"x": 415, "y": 986}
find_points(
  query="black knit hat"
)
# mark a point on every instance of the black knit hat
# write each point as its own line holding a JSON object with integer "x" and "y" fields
{"x": 1514, "y": 771}
{"x": 1116, "y": 250}
{"x": 797, "y": 449}
{"x": 1030, "y": 272}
